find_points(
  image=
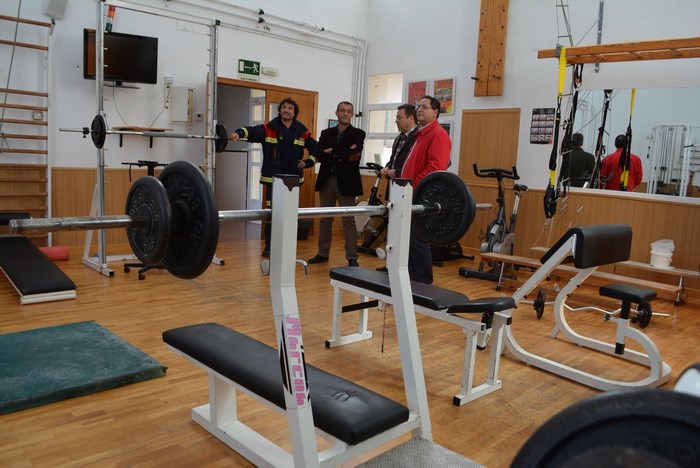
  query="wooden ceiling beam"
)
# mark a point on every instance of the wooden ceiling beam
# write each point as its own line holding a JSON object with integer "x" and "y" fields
{"x": 629, "y": 51}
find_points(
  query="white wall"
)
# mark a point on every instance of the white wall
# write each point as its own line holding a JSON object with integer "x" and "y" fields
{"x": 427, "y": 40}
{"x": 310, "y": 43}
{"x": 420, "y": 38}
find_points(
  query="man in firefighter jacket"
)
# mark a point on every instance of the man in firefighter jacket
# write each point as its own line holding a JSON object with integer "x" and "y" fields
{"x": 283, "y": 140}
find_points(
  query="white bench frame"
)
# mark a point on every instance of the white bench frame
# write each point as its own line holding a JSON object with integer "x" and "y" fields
{"x": 474, "y": 331}
{"x": 659, "y": 371}
{"x": 502, "y": 337}
{"x": 219, "y": 416}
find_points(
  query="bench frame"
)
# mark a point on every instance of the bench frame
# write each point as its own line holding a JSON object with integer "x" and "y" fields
{"x": 659, "y": 371}
{"x": 219, "y": 416}
{"x": 474, "y": 331}
{"x": 501, "y": 334}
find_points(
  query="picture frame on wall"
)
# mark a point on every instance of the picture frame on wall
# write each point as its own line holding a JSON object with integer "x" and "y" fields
{"x": 332, "y": 123}
{"x": 415, "y": 91}
{"x": 444, "y": 91}
{"x": 447, "y": 125}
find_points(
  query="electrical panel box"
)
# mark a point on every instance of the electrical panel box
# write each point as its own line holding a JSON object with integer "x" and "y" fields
{"x": 181, "y": 104}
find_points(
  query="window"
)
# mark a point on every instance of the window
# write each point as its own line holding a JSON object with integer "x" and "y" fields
{"x": 385, "y": 95}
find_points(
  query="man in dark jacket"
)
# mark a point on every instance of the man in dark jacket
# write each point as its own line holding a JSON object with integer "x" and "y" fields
{"x": 339, "y": 151}
{"x": 283, "y": 140}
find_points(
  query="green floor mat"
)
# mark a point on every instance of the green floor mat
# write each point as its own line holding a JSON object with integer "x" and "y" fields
{"x": 51, "y": 364}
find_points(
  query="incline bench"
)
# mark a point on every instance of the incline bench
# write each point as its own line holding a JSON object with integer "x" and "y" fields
{"x": 429, "y": 300}
{"x": 35, "y": 277}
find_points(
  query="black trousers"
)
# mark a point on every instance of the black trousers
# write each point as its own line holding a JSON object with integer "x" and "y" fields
{"x": 420, "y": 258}
{"x": 268, "y": 224}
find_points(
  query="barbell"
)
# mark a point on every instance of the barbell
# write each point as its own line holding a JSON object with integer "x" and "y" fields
{"x": 173, "y": 221}
{"x": 98, "y": 133}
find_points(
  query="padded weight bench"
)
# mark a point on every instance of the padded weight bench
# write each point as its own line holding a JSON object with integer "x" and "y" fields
{"x": 35, "y": 277}
{"x": 589, "y": 247}
{"x": 342, "y": 410}
{"x": 433, "y": 301}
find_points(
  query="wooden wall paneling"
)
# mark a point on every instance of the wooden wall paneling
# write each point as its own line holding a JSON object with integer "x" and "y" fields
{"x": 490, "y": 139}
{"x": 651, "y": 220}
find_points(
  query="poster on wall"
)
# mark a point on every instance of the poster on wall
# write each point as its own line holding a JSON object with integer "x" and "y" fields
{"x": 444, "y": 91}
{"x": 416, "y": 90}
{"x": 542, "y": 126}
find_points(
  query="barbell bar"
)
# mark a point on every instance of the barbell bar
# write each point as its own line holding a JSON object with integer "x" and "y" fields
{"x": 98, "y": 132}
{"x": 173, "y": 220}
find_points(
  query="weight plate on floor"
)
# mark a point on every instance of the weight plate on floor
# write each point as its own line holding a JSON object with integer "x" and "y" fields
{"x": 147, "y": 204}
{"x": 457, "y": 208}
{"x": 221, "y": 138}
{"x": 98, "y": 131}
{"x": 195, "y": 220}
{"x": 539, "y": 304}
{"x": 644, "y": 315}
{"x": 660, "y": 425}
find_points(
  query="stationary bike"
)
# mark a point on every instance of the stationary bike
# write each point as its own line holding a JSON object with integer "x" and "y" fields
{"x": 374, "y": 230}
{"x": 500, "y": 235}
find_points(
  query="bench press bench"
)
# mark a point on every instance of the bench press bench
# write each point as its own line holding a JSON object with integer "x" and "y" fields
{"x": 440, "y": 303}
{"x": 354, "y": 419}
{"x": 35, "y": 277}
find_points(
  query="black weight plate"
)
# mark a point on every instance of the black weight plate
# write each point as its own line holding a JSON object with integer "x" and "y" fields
{"x": 195, "y": 227}
{"x": 221, "y": 138}
{"x": 147, "y": 204}
{"x": 539, "y": 304}
{"x": 98, "y": 131}
{"x": 457, "y": 208}
{"x": 644, "y": 315}
{"x": 663, "y": 423}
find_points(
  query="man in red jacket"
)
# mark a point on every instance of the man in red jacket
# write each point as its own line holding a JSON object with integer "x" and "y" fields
{"x": 430, "y": 152}
{"x": 610, "y": 169}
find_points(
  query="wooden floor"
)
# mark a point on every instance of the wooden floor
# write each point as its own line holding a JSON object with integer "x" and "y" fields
{"x": 148, "y": 424}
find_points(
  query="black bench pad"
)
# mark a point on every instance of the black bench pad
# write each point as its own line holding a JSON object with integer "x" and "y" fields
{"x": 341, "y": 408}
{"x": 627, "y": 292}
{"x": 29, "y": 269}
{"x": 425, "y": 295}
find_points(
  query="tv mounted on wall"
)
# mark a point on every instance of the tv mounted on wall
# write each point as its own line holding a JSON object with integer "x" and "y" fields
{"x": 128, "y": 58}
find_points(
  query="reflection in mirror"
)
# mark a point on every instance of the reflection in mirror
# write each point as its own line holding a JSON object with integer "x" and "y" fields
{"x": 665, "y": 134}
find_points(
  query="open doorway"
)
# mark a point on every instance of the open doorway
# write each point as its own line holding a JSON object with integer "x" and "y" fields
{"x": 241, "y": 103}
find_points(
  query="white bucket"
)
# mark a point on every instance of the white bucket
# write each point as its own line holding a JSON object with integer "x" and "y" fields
{"x": 661, "y": 259}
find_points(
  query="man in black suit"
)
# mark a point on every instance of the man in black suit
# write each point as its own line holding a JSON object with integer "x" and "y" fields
{"x": 406, "y": 123}
{"x": 339, "y": 151}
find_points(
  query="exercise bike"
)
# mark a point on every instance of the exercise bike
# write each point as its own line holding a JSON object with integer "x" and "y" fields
{"x": 374, "y": 230}
{"x": 500, "y": 234}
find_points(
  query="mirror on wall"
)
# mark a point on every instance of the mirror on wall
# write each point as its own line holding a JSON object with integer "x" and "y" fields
{"x": 665, "y": 126}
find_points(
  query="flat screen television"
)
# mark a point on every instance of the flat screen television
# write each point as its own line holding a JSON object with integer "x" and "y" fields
{"x": 128, "y": 58}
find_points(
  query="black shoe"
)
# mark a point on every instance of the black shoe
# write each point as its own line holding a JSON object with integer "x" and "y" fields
{"x": 353, "y": 262}
{"x": 266, "y": 252}
{"x": 318, "y": 259}
{"x": 382, "y": 269}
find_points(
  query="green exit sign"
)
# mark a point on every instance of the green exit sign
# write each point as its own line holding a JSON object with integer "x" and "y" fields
{"x": 248, "y": 70}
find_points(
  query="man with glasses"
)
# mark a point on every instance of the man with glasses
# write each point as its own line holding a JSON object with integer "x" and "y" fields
{"x": 339, "y": 150}
{"x": 430, "y": 152}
